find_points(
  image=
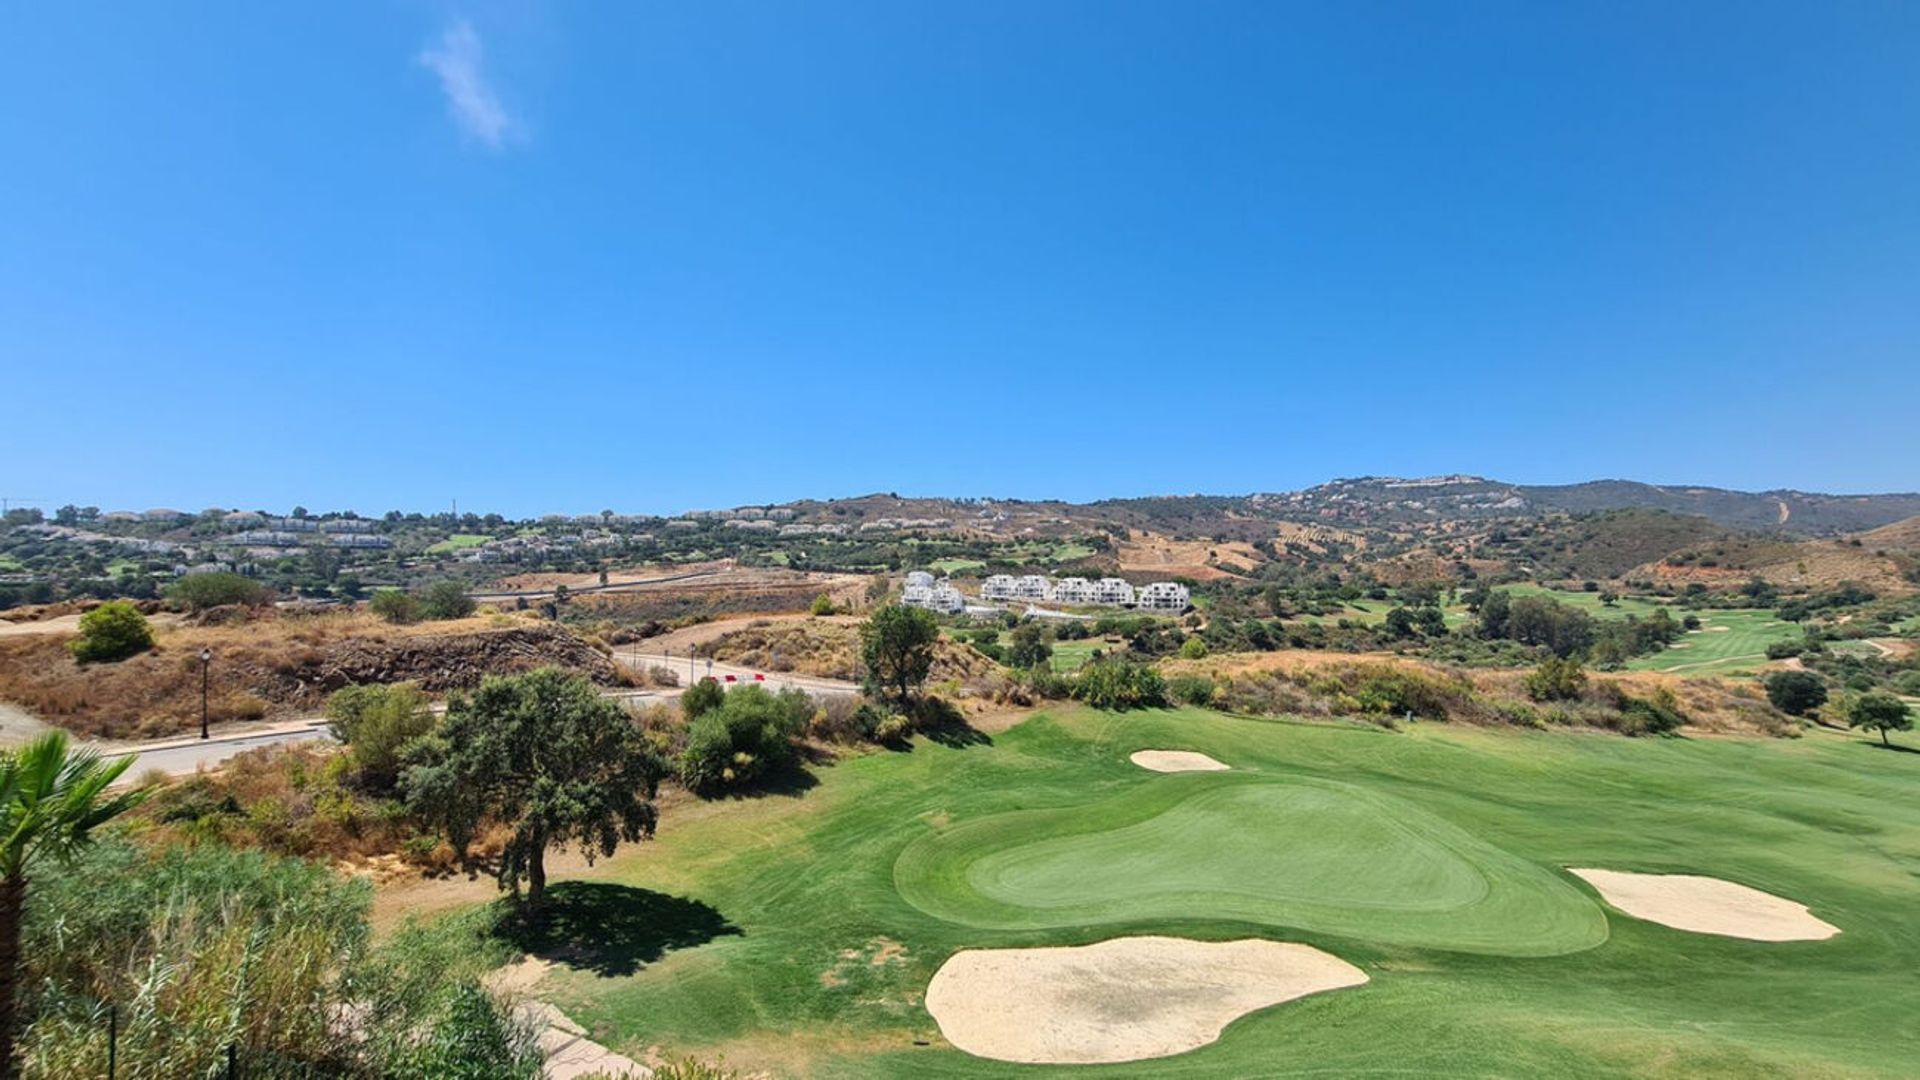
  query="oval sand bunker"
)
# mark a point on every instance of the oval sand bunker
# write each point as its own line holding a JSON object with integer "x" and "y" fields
{"x": 1121, "y": 1000}
{"x": 1707, "y": 905}
{"x": 1176, "y": 761}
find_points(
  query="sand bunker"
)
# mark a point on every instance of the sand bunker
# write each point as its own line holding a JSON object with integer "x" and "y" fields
{"x": 1175, "y": 761}
{"x": 1707, "y": 905}
{"x": 1121, "y": 1000}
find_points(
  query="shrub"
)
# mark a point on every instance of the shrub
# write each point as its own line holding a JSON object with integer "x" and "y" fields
{"x": 701, "y": 698}
{"x": 1657, "y": 715}
{"x": 1194, "y": 649}
{"x": 1191, "y": 689}
{"x": 113, "y": 631}
{"x": 749, "y": 736}
{"x": 660, "y": 675}
{"x": 1120, "y": 684}
{"x": 1796, "y": 693}
{"x": 394, "y": 606}
{"x": 376, "y": 723}
{"x": 202, "y": 591}
{"x": 822, "y": 605}
{"x": 445, "y": 600}
{"x": 1556, "y": 679}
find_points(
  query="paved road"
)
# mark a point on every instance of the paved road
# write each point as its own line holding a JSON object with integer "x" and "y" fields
{"x": 177, "y": 758}
{"x": 690, "y": 668}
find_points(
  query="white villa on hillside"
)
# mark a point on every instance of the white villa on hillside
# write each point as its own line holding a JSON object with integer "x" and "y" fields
{"x": 1163, "y": 596}
{"x": 922, "y": 592}
{"x": 997, "y": 587}
{"x": 1113, "y": 590}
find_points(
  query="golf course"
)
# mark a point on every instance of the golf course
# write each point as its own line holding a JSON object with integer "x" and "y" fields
{"x": 798, "y": 932}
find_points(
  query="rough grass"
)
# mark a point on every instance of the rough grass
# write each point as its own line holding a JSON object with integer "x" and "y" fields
{"x": 826, "y": 974}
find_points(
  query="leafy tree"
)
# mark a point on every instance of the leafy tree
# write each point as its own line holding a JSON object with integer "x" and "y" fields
{"x": 547, "y": 756}
{"x": 1545, "y": 622}
{"x": 376, "y": 723}
{"x": 113, "y": 631}
{"x": 445, "y": 600}
{"x": 896, "y": 647}
{"x": 1879, "y": 711}
{"x": 215, "y": 589}
{"x": 1493, "y": 611}
{"x": 1029, "y": 648}
{"x": 701, "y": 698}
{"x": 1556, "y": 679}
{"x": 1796, "y": 692}
{"x": 394, "y": 606}
{"x": 51, "y": 801}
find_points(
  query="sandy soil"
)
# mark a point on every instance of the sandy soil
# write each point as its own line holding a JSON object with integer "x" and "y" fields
{"x": 1176, "y": 761}
{"x": 1707, "y": 905}
{"x": 1121, "y": 1000}
{"x": 70, "y": 624}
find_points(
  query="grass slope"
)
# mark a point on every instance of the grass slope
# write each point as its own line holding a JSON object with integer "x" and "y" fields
{"x": 779, "y": 938}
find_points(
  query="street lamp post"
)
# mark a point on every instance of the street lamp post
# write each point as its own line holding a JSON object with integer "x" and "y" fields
{"x": 206, "y": 663}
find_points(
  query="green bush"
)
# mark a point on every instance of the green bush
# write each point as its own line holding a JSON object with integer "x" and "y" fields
{"x": 113, "y": 631}
{"x": 701, "y": 698}
{"x": 1119, "y": 684}
{"x": 445, "y": 600}
{"x": 749, "y": 736}
{"x": 377, "y": 722}
{"x": 822, "y": 605}
{"x": 394, "y": 606}
{"x": 1556, "y": 679}
{"x": 1193, "y": 649}
{"x": 202, "y": 591}
{"x": 1191, "y": 689}
{"x": 1796, "y": 693}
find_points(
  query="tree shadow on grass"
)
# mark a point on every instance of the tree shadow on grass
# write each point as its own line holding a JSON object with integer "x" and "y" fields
{"x": 1895, "y": 747}
{"x": 611, "y": 929}
{"x": 942, "y": 723}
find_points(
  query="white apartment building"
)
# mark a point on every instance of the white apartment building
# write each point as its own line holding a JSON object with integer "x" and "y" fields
{"x": 1163, "y": 596}
{"x": 1112, "y": 590}
{"x": 1073, "y": 590}
{"x": 997, "y": 587}
{"x": 1033, "y": 587}
{"x": 919, "y": 578}
{"x": 941, "y": 597}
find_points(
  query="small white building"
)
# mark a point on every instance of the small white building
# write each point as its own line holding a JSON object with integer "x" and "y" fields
{"x": 1163, "y": 596}
{"x": 1112, "y": 590}
{"x": 941, "y": 597}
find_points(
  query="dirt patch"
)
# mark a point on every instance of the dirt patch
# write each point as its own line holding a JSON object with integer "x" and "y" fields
{"x": 1707, "y": 905}
{"x": 1176, "y": 761}
{"x": 1122, "y": 1000}
{"x": 826, "y": 648}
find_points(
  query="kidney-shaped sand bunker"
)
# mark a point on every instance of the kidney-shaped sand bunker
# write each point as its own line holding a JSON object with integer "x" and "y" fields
{"x": 1121, "y": 1000}
{"x": 1707, "y": 905}
{"x": 1176, "y": 761}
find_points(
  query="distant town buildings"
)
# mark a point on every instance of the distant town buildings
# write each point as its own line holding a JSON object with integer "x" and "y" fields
{"x": 1111, "y": 592}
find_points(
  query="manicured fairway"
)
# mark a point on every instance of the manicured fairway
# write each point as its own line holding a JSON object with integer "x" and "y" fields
{"x": 1309, "y": 854}
{"x": 796, "y": 934}
{"x": 1727, "y": 642}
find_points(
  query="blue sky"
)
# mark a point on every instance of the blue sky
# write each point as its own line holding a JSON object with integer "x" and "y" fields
{"x": 656, "y": 256}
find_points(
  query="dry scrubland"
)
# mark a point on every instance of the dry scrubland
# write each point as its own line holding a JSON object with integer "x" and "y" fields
{"x": 830, "y": 648}
{"x": 1313, "y": 683}
{"x": 268, "y": 663}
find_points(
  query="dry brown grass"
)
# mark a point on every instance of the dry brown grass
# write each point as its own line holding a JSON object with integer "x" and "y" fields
{"x": 829, "y": 649}
{"x": 272, "y": 664}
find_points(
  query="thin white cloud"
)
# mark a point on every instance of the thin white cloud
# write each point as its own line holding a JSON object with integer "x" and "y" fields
{"x": 470, "y": 100}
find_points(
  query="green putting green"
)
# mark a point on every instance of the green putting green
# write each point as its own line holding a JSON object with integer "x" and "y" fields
{"x": 1318, "y": 855}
